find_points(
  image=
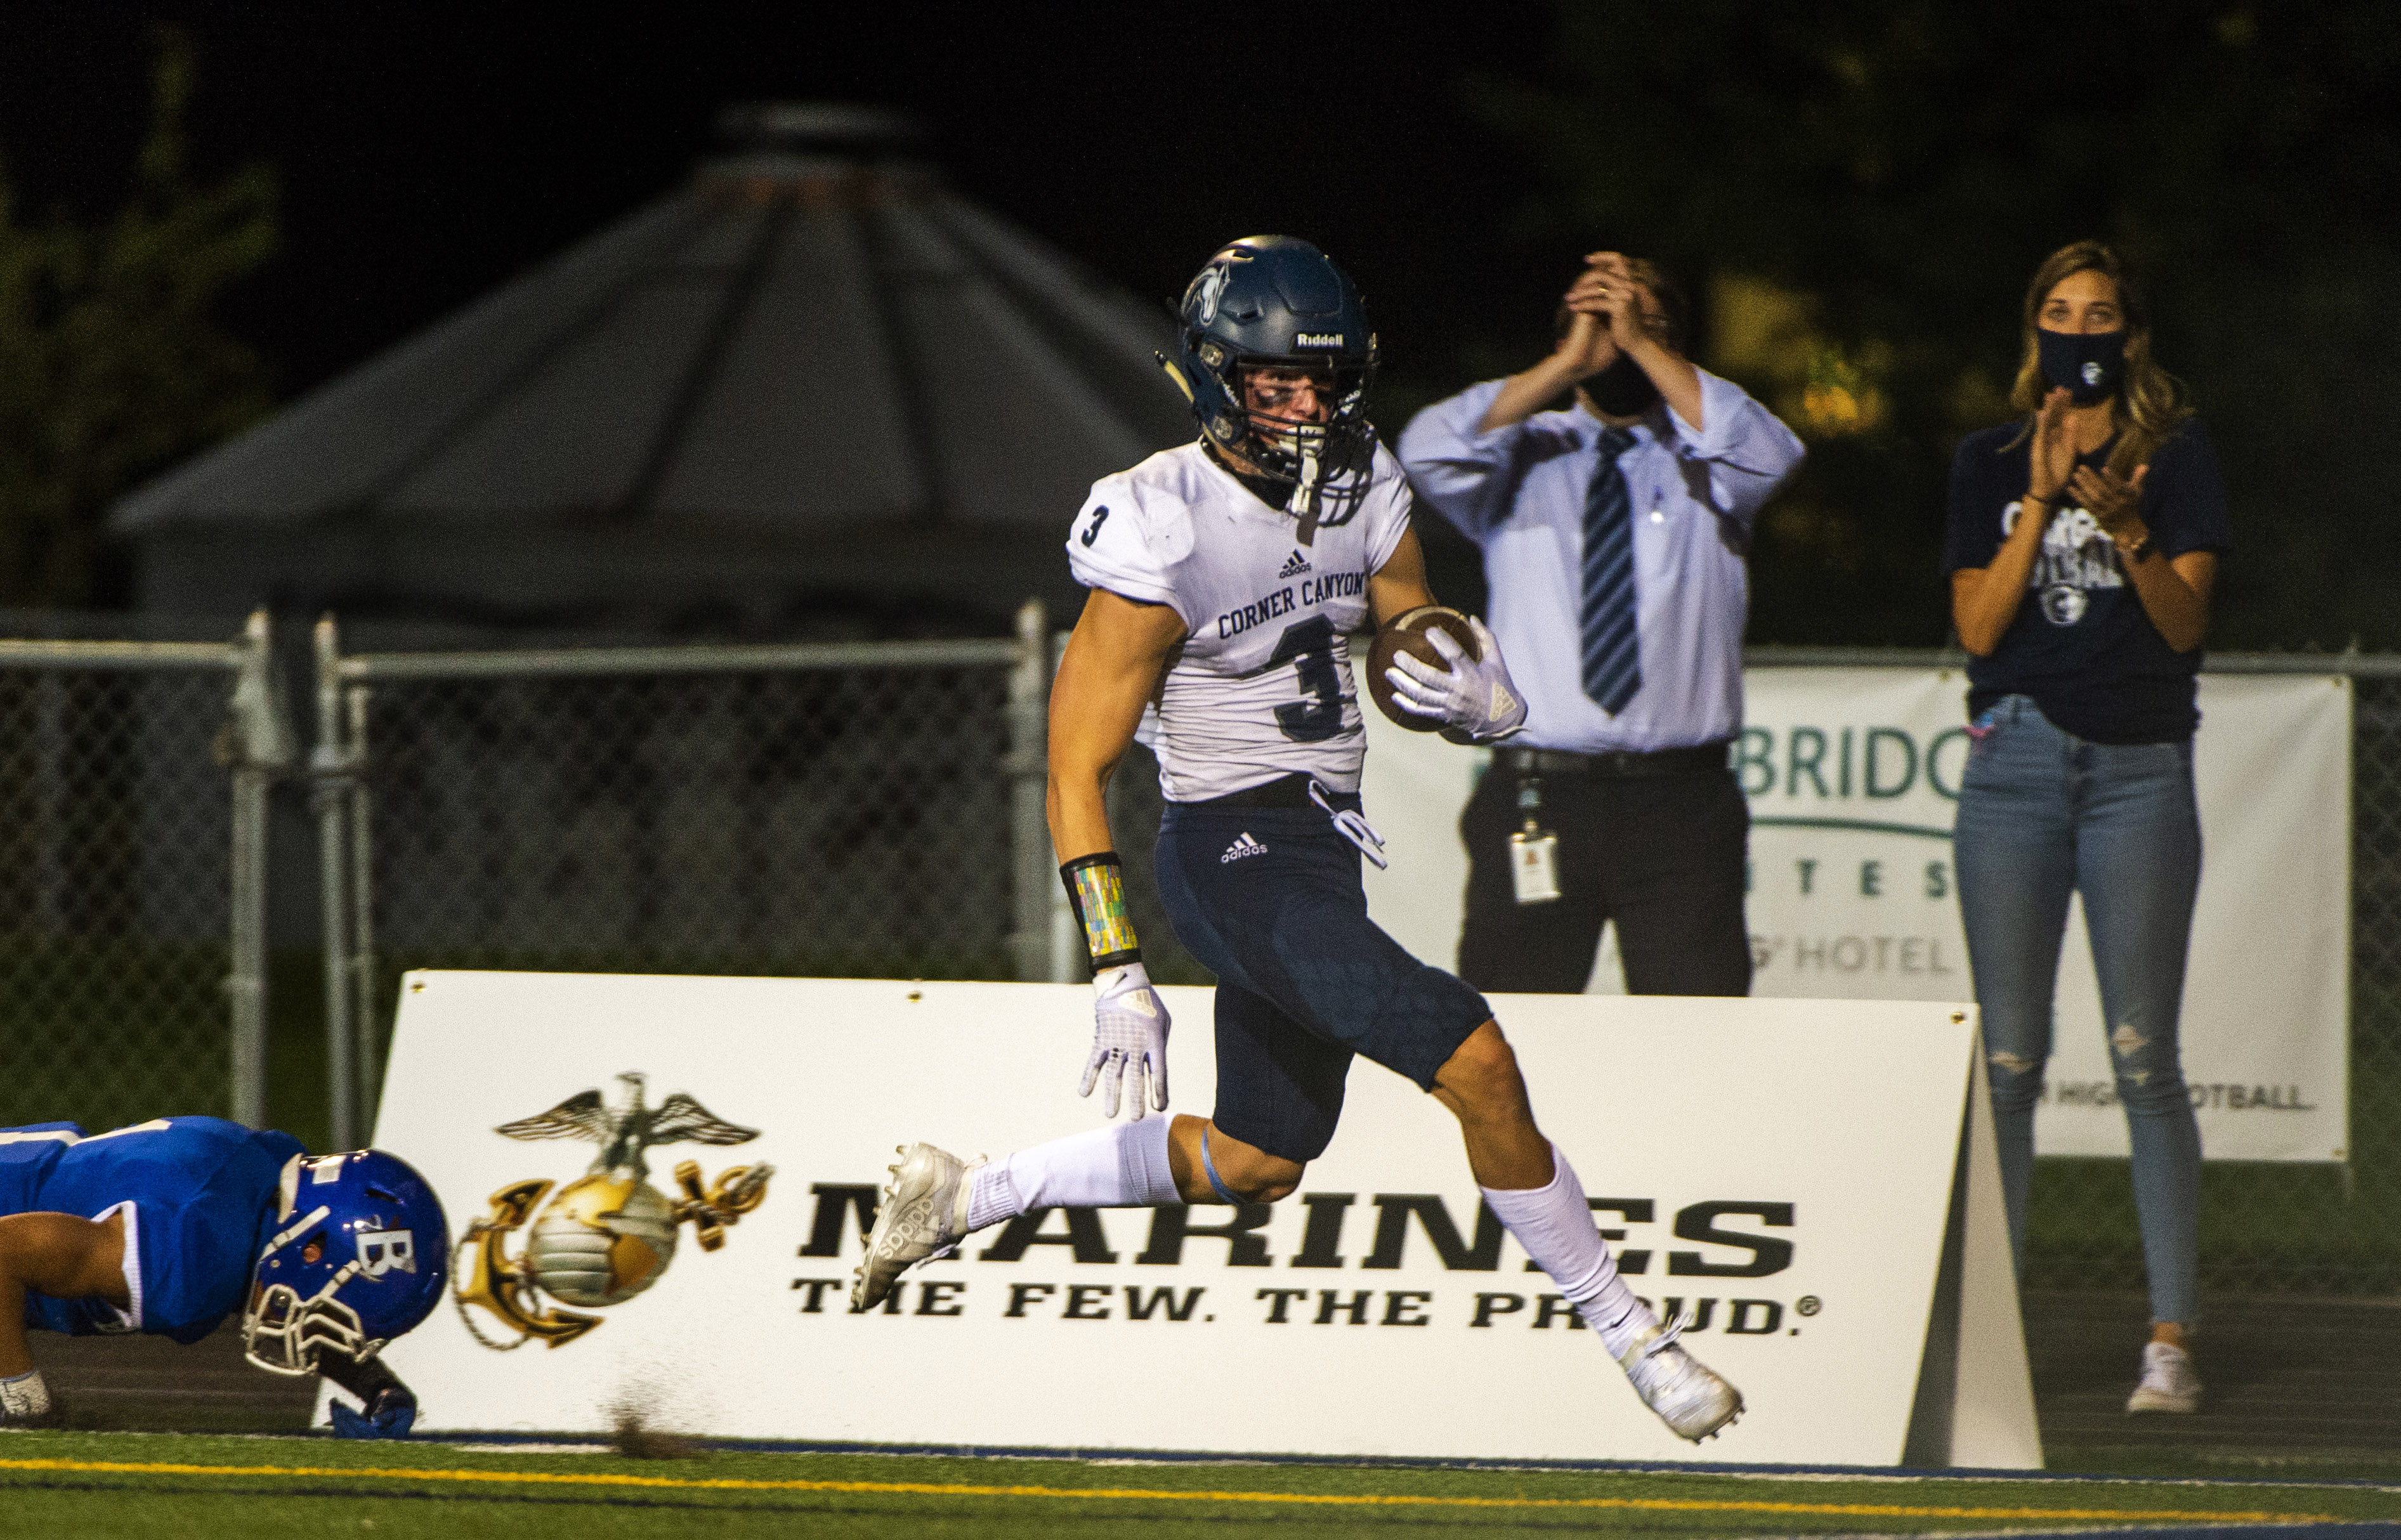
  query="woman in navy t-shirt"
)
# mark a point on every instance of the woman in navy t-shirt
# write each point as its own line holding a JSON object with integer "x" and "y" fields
{"x": 2083, "y": 542}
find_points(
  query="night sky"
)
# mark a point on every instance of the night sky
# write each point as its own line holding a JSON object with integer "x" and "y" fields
{"x": 428, "y": 154}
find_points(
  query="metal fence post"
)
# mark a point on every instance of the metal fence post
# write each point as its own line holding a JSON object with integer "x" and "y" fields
{"x": 261, "y": 750}
{"x": 1029, "y": 768}
{"x": 330, "y": 768}
{"x": 369, "y": 1015}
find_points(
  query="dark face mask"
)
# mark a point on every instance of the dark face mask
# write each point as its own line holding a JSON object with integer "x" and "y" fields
{"x": 2086, "y": 364}
{"x": 1621, "y": 389}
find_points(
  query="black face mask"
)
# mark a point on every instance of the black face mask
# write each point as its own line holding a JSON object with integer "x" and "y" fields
{"x": 1621, "y": 389}
{"x": 2086, "y": 364}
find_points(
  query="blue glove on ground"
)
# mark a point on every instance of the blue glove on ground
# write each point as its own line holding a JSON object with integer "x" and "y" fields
{"x": 390, "y": 1417}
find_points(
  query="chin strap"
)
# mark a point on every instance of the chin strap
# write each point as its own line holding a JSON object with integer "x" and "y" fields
{"x": 1304, "y": 496}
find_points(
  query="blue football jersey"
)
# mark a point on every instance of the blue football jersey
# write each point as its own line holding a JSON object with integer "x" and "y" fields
{"x": 201, "y": 1196}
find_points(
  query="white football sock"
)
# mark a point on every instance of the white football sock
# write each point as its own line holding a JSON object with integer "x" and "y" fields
{"x": 1554, "y": 1225}
{"x": 1124, "y": 1165}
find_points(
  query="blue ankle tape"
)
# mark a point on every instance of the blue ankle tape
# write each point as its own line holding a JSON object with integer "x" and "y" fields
{"x": 1210, "y": 1167}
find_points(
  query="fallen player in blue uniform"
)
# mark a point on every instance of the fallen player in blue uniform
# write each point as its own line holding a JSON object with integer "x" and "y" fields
{"x": 171, "y": 1226}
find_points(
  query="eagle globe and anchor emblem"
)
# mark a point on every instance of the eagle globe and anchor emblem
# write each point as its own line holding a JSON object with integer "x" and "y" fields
{"x": 608, "y": 1234}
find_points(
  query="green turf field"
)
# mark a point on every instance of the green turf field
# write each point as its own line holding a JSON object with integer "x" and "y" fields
{"x": 97, "y": 1485}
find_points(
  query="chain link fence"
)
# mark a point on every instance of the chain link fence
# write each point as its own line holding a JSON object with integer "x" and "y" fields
{"x": 863, "y": 810}
{"x": 133, "y": 805}
{"x": 855, "y": 810}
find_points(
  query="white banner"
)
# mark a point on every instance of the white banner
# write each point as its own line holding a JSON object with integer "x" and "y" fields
{"x": 1380, "y": 1311}
{"x": 1853, "y": 776}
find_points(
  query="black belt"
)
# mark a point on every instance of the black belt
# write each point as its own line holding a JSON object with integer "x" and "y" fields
{"x": 1284, "y": 792}
{"x": 1617, "y": 764}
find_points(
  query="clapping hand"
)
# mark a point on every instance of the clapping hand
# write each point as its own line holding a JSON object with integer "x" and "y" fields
{"x": 2053, "y": 457}
{"x": 2113, "y": 500}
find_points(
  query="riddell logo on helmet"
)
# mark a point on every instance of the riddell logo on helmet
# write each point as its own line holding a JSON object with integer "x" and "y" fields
{"x": 1318, "y": 339}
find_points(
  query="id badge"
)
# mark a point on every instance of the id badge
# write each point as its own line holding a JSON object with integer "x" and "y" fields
{"x": 1534, "y": 866}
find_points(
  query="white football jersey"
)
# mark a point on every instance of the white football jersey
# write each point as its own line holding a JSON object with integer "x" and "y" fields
{"x": 1261, "y": 685}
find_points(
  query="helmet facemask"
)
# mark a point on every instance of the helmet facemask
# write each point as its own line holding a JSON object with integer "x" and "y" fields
{"x": 1326, "y": 459}
{"x": 282, "y": 1333}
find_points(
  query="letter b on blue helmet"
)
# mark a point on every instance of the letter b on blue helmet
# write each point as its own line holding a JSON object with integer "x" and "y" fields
{"x": 360, "y": 1254}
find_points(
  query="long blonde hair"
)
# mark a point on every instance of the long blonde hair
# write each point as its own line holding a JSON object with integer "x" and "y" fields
{"x": 2150, "y": 401}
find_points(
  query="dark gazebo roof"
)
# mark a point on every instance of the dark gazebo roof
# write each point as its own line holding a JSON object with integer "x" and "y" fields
{"x": 814, "y": 366}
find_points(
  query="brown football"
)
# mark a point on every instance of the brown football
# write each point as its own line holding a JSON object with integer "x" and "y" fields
{"x": 1408, "y": 634}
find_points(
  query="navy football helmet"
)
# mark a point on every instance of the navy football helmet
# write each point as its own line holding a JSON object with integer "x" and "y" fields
{"x": 360, "y": 1255}
{"x": 1273, "y": 301}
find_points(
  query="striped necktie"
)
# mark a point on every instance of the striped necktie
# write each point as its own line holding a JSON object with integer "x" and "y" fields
{"x": 1612, "y": 654}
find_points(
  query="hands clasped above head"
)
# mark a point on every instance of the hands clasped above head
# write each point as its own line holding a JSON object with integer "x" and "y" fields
{"x": 1130, "y": 1025}
{"x": 1475, "y": 696}
{"x": 1615, "y": 312}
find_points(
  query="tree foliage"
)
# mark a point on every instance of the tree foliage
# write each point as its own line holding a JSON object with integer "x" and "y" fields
{"x": 110, "y": 363}
{"x": 1865, "y": 185}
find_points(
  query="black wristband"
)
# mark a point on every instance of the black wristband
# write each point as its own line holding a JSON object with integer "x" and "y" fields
{"x": 1096, "y": 892}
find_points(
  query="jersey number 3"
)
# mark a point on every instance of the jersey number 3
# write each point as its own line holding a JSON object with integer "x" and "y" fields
{"x": 1309, "y": 646}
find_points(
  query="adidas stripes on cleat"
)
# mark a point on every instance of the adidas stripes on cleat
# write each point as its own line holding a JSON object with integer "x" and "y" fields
{"x": 924, "y": 1215}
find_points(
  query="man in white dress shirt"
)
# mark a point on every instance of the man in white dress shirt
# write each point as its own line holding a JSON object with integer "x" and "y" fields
{"x": 1614, "y": 536}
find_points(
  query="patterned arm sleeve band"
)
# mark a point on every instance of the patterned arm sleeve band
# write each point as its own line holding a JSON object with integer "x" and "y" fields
{"x": 1096, "y": 887}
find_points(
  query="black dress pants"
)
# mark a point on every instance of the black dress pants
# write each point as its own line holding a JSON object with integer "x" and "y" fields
{"x": 1662, "y": 855}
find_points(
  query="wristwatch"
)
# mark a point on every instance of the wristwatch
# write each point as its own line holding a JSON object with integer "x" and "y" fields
{"x": 2136, "y": 549}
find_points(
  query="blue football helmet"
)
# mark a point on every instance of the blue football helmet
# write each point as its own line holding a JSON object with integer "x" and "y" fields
{"x": 360, "y": 1255}
{"x": 1274, "y": 301}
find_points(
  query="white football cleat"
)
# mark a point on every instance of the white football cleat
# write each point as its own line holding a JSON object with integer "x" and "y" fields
{"x": 1692, "y": 1398}
{"x": 924, "y": 1215}
{"x": 2168, "y": 1383}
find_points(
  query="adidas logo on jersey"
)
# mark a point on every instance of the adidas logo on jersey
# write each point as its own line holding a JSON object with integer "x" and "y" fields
{"x": 1243, "y": 846}
{"x": 1297, "y": 564}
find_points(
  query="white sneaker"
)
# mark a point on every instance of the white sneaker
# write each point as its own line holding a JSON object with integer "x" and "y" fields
{"x": 1692, "y": 1398}
{"x": 2169, "y": 1383}
{"x": 924, "y": 1215}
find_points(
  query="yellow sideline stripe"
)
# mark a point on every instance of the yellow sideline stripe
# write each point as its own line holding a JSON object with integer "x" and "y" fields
{"x": 934, "y": 1489}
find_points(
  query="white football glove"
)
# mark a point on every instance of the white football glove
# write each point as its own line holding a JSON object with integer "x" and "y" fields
{"x": 24, "y": 1400}
{"x": 1129, "y": 1039}
{"x": 1476, "y": 697}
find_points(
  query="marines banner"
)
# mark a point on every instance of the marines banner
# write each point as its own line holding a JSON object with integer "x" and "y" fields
{"x": 1850, "y": 1276}
{"x": 1853, "y": 780}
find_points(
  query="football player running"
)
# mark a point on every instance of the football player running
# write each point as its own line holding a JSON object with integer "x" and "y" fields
{"x": 1225, "y": 576}
{"x": 169, "y": 1226}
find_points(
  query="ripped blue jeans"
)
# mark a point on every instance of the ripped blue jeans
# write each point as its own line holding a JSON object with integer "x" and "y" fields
{"x": 2042, "y": 815}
